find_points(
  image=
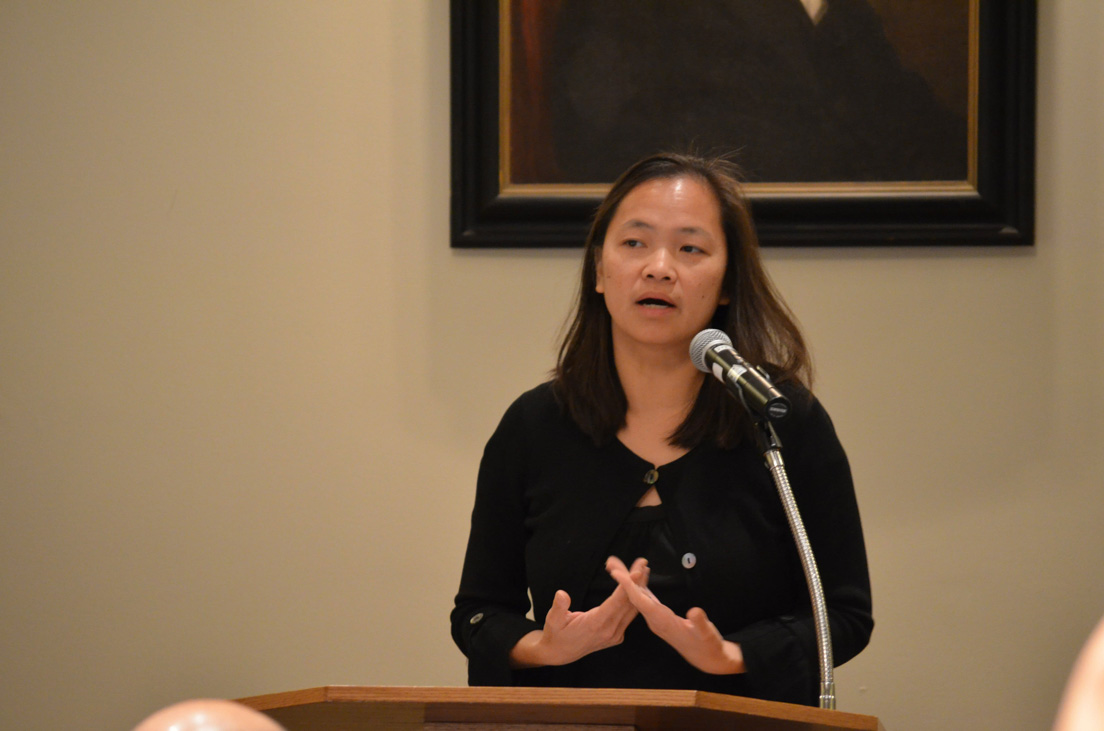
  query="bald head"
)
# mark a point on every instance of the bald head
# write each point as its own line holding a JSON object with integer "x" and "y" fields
{"x": 208, "y": 715}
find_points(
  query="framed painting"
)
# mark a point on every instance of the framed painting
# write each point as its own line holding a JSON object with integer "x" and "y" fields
{"x": 856, "y": 122}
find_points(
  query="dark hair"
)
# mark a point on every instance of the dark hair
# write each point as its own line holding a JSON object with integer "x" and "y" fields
{"x": 762, "y": 328}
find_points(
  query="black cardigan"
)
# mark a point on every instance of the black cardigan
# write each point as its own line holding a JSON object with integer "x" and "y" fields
{"x": 549, "y": 502}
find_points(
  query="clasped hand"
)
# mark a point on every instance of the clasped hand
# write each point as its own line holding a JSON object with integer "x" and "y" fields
{"x": 568, "y": 636}
{"x": 694, "y": 637}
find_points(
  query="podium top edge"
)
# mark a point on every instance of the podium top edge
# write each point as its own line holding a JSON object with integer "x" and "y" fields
{"x": 575, "y": 697}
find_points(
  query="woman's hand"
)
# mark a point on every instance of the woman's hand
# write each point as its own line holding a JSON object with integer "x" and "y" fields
{"x": 568, "y": 636}
{"x": 695, "y": 637}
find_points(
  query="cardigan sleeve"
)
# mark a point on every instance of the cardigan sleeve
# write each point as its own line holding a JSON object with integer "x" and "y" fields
{"x": 489, "y": 615}
{"x": 781, "y": 653}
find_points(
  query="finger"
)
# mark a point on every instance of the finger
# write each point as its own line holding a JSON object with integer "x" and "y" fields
{"x": 622, "y": 611}
{"x": 616, "y": 612}
{"x": 617, "y": 601}
{"x": 700, "y": 622}
{"x": 625, "y": 580}
{"x": 638, "y": 574}
{"x": 557, "y": 613}
{"x": 622, "y": 576}
{"x": 614, "y": 600}
{"x": 615, "y": 566}
{"x": 643, "y": 599}
{"x": 624, "y": 592}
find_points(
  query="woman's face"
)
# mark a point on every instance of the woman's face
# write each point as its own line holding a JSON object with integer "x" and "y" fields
{"x": 663, "y": 262}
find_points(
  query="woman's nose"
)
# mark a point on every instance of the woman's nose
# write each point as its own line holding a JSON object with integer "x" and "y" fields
{"x": 659, "y": 265}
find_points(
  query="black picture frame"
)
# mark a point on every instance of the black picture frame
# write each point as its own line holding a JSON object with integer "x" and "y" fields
{"x": 993, "y": 206}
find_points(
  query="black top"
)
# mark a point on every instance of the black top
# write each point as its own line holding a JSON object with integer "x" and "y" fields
{"x": 551, "y": 506}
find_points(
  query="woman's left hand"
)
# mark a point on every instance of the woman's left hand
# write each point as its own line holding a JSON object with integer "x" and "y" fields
{"x": 695, "y": 637}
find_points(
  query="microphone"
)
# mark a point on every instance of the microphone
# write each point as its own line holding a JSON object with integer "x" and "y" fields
{"x": 711, "y": 351}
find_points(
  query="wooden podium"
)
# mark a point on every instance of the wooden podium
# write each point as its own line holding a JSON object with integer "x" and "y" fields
{"x": 352, "y": 708}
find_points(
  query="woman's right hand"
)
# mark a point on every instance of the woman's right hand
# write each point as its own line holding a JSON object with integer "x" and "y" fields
{"x": 568, "y": 636}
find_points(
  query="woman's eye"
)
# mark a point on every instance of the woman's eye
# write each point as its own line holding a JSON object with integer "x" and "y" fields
{"x": 634, "y": 243}
{"x": 690, "y": 248}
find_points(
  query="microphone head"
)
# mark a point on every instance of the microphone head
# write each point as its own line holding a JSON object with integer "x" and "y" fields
{"x": 702, "y": 342}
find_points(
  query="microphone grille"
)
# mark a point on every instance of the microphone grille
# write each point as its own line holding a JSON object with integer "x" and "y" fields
{"x": 702, "y": 342}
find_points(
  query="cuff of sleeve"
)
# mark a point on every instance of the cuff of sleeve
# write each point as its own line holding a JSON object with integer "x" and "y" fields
{"x": 492, "y": 638}
{"x": 778, "y": 668}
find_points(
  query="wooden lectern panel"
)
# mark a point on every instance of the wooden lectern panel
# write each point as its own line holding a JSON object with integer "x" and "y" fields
{"x": 350, "y": 708}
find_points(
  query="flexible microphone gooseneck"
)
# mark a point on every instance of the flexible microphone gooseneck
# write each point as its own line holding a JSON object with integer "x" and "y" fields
{"x": 711, "y": 352}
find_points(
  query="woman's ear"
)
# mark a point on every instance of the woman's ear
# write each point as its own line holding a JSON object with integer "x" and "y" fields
{"x": 598, "y": 286}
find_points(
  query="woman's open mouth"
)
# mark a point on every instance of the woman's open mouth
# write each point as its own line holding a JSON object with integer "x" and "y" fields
{"x": 654, "y": 302}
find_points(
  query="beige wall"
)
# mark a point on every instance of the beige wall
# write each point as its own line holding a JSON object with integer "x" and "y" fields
{"x": 245, "y": 383}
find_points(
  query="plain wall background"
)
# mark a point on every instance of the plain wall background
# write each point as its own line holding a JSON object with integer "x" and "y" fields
{"x": 245, "y": 383}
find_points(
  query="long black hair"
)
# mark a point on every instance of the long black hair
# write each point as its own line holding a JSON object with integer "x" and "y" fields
{"x": 760, "y": 324}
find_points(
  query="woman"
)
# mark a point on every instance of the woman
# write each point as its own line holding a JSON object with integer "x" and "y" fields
{"x": 632, "y": 485}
